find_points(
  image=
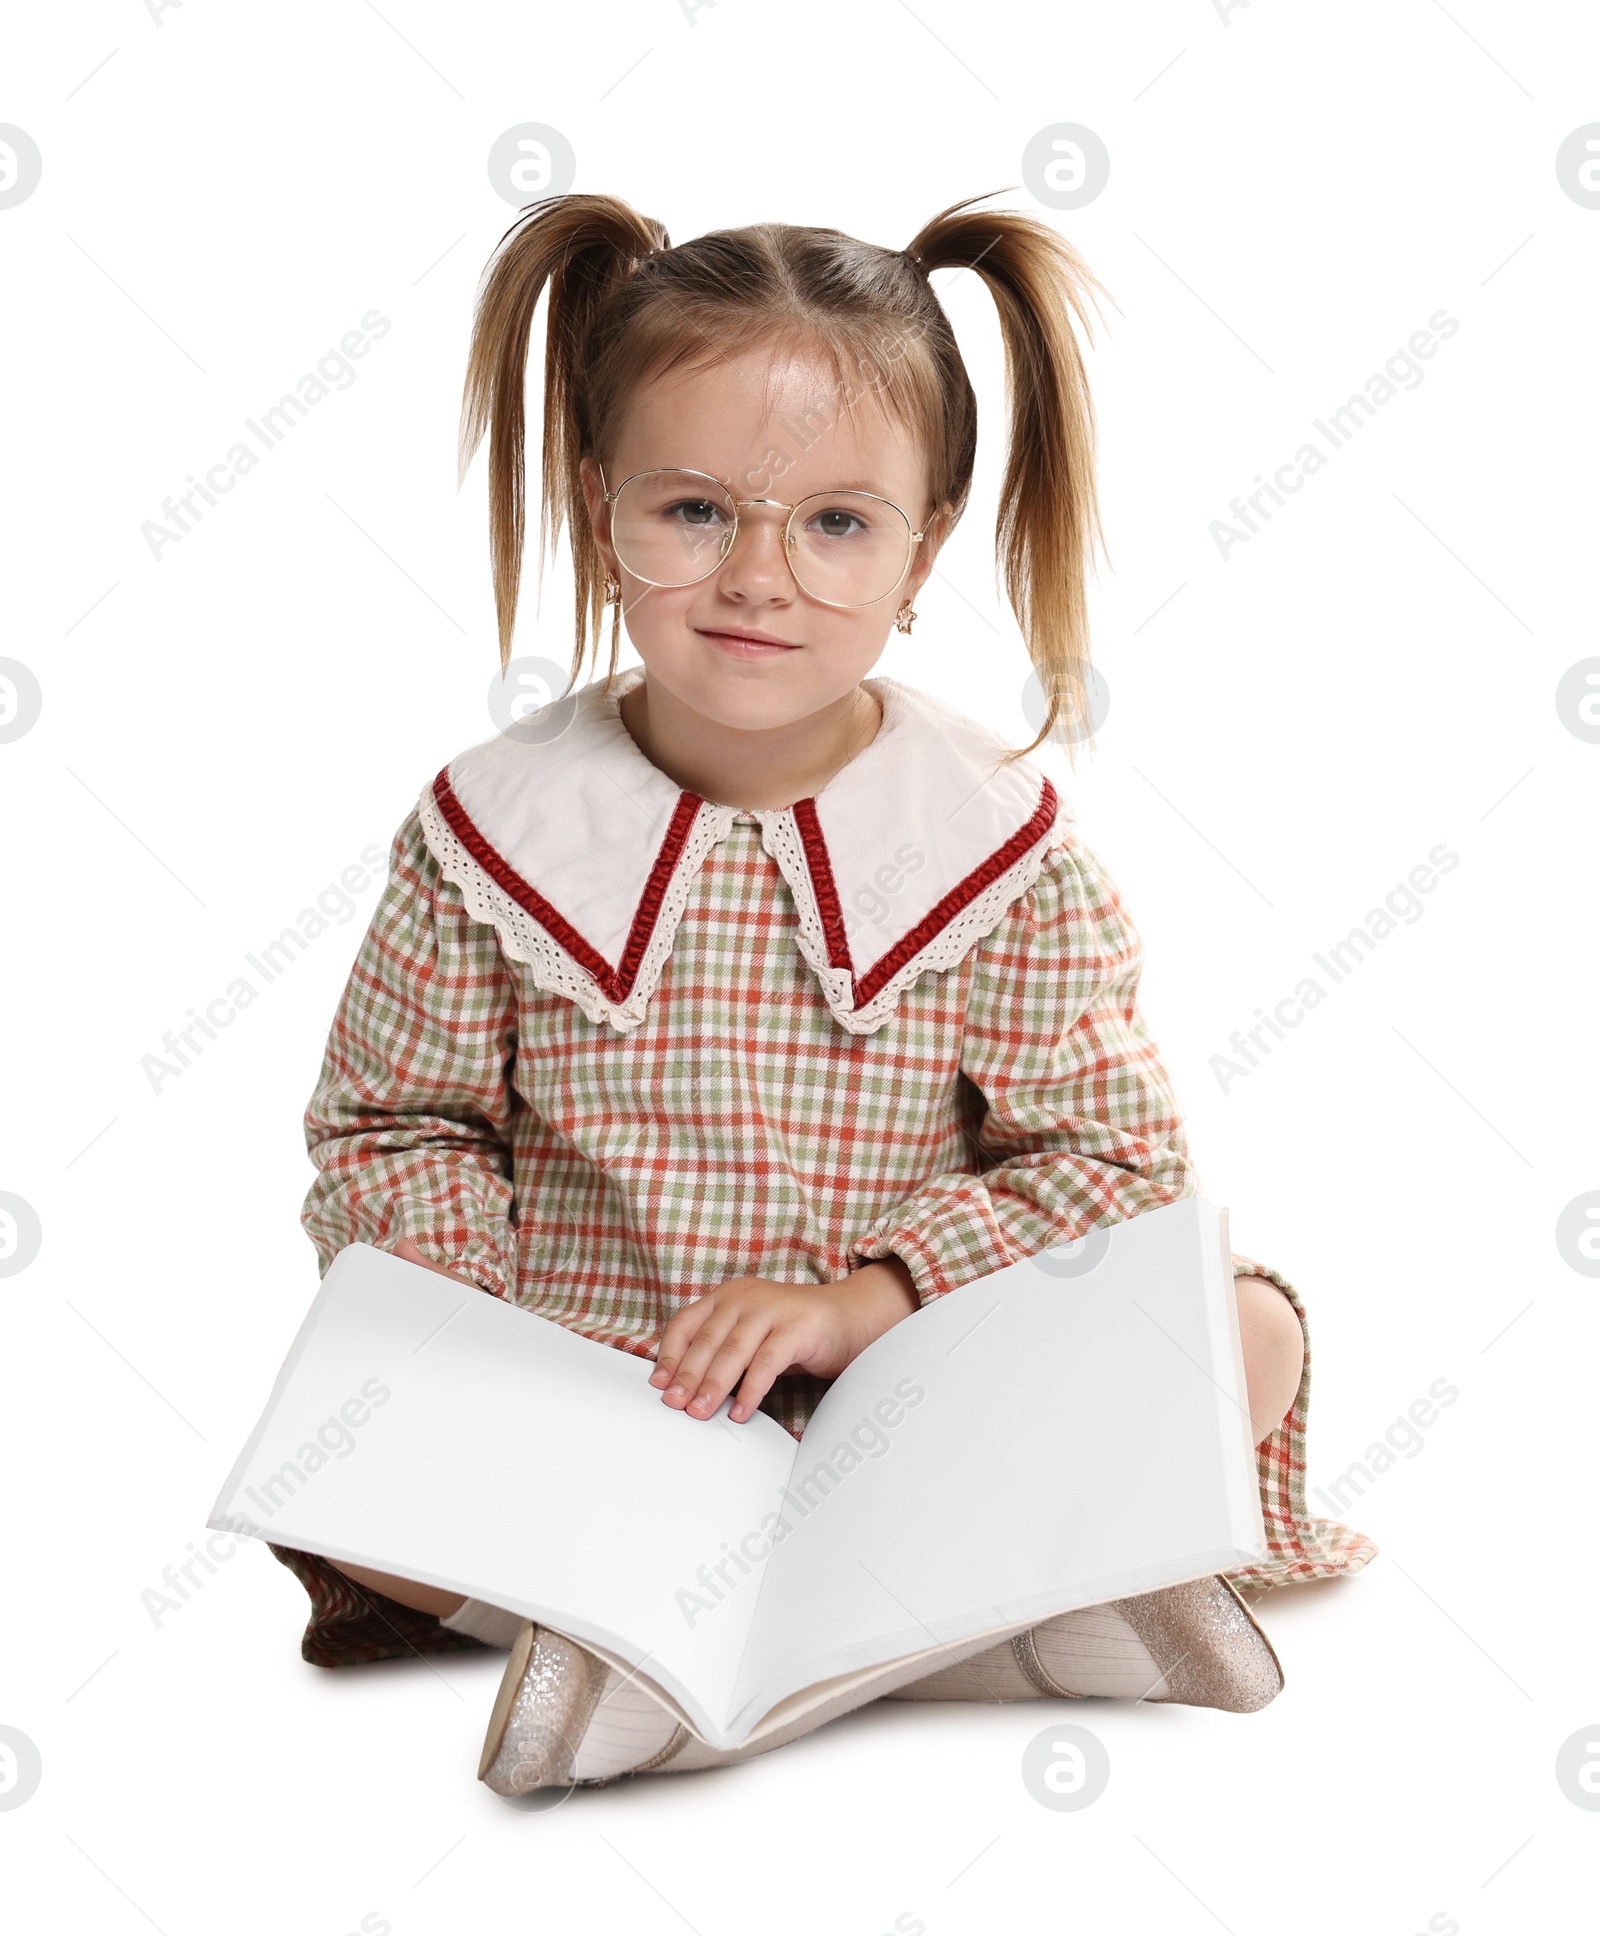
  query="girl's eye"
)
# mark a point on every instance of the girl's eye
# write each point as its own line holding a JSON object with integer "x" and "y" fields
{"x": 836, "y": 522}
{"x": 695, "y": 512}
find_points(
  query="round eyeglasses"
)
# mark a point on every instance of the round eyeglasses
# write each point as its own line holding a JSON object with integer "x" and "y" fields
{"x": 672, "y": 528}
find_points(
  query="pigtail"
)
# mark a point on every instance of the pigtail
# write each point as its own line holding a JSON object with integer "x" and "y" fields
{"x": 585, "y": 247}
{"x": 1049, "y": 518}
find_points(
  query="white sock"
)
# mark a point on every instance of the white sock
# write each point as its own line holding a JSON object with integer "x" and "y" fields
{"x": 1095, "y": 1651}
{"x": 1092, "y": 1651}
{"x": 492, "y": 1625}
{"x": 628, "y": 1726}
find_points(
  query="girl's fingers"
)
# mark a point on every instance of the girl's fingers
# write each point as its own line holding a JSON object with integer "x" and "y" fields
{"x": 676, "y": 1338}
{"x": 690, "y": 1369}
{"x": 408, "y": 1250}
{"x": 738, "y": 1350}
{"x": 771, "y": 1361}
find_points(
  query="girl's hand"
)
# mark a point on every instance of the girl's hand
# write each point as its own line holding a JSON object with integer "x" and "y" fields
{"x": 408, "y": 1250}
{"x": 750, "y": 1329}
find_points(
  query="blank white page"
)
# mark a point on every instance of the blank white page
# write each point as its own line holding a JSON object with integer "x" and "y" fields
{"x": 1081, "y": 1435}
{"x": 482, "y": 1470}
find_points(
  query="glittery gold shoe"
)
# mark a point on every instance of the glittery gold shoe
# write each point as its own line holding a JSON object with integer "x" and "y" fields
{"x": 563, "y": 1718}
{"x": 1208, "y": 1646}
{"x": 1197, "y": 1644}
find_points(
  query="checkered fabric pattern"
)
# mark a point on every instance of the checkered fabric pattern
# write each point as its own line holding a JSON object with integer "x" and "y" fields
{"x": 603, "y": 1178}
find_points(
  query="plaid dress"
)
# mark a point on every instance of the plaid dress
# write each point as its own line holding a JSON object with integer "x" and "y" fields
{"x": 756, "y": 1072}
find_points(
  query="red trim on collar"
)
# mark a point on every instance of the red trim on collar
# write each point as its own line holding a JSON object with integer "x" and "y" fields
{"x": 655, "y": 888}
{"x": 614, "y": 983}
{"x": 966, "y": 890}
{"x": 823, "y": 889}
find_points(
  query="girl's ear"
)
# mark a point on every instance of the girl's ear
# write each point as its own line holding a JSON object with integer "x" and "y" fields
{"x": 599, "y": 511}
{"x": 934, "y": 533}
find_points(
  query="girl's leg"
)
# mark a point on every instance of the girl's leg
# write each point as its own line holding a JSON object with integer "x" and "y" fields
{"x": 1274, "y": 1352}
{"x": 492, "y": 1625}
{"x": 424, "y": 1599}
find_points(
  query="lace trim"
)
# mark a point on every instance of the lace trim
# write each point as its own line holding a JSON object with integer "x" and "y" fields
{"x": 964, "y": 892}
{"x": 781, "y": 837}
{"x": 526, "y": 939}
{"x": 533, "y": 932}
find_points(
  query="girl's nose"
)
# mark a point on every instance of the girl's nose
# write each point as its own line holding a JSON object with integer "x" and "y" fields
{"x": 757, "y": 566}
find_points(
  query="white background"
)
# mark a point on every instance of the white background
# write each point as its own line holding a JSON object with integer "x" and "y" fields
{"x": 1293, "y": 192}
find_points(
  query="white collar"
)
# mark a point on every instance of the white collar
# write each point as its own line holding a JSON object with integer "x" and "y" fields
{"x": 581, "y": 853}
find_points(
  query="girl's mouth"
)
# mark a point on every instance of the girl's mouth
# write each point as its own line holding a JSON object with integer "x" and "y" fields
{"x": 749, "y": 645}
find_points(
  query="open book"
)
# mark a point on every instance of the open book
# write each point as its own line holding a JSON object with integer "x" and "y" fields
{"x": 1064, "y": 1431}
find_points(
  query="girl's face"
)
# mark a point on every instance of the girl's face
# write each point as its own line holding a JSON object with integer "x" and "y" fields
{"x": 746, "y": 647}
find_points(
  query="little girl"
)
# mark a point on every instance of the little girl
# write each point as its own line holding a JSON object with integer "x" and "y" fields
{"x": 740, "y": 1003}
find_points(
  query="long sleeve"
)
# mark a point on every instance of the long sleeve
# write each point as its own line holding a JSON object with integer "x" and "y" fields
{"x": 409, "y": 1124}
{"x": 1075, "y": 1121}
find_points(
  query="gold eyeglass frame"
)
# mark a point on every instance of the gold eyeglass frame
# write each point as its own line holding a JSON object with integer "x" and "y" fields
{"x": 913, "y": 538}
